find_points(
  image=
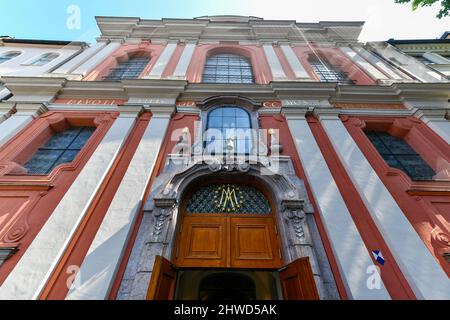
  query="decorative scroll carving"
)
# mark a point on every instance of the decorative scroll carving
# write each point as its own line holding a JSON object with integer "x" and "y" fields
{"x": 296, "y": 220}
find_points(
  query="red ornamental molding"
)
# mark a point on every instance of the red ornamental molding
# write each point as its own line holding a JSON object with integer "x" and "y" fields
{"x": 103, "y": 102}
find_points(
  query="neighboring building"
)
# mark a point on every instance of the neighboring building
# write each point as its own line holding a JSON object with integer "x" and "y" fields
{"x": 23, "y": 57}
{"x": 427, "y": 60}
{"x": 304, "y": 163}
{"x": 435, "y": 53}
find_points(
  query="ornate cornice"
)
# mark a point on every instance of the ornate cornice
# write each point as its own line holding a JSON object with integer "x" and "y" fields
{"x": 215, "y": 28}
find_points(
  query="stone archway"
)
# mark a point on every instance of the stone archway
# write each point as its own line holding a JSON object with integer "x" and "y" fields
{"x": 293, "y": 213}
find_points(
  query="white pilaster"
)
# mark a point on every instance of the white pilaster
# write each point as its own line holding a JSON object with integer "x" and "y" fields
{"x": 349, "y": 250}
{"x": 274, "y": 63}
{"x": 24, "y": 114}
{"x": 6, "y": 109}
{"x": 435, "y": 119}
{"x": 185, "y": 59}
{"x": 100, "y": 265}
{"x": 376, "y": 61}
{"x": 366, "y": 66}
{"x": 4, "y": 92}
{"x": 162, "y": 61}
{"x": 31, "y": 273}
{"x": 423, "y": 273}
{"x": 96, "y": 59}
{"x": 81, "y": 58}
{"x": 295, "y": 64}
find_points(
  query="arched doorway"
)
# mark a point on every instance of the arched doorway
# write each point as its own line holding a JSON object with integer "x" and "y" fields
{"x": 227, "y": 228}
{"x": 227, "y": 224}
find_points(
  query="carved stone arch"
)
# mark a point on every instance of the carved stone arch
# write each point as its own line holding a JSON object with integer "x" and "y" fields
{"x": 156, "y": 236}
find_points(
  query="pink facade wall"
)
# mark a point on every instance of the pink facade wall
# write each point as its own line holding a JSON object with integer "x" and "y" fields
{"x": 254, "y": 53}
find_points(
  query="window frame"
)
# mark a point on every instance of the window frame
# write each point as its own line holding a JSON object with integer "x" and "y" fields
{"x": 417, "y": 134}
{"x": 22, "y": 147}
{"x": 332, "y": 69}
{"x": 34, "y": 61}
{"x": 397, "y": 155}
{"x": 118, "y": 66}
{"x": 241, "y": 57}
{"x": 60, "y": 150}
{"x": 10, "y": 52}
{"x": 251, "y": 121}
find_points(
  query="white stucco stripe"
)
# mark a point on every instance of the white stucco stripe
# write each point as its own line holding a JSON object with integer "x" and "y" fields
{"x": 362, "y": 63}
{"x": 440, "y": 126}
{"x": 99, "y": 267}
{"x": 420, "y": 268}
{"x": 163, "y": 60}
{"x": 351, "y": 254}
{"x": 81, "y": 58}
{"x": 96, "y": 59}
{"x": 38, "y": 262}
{"x": 185, "y": 59}
{"x": 9, "y": 127}
{"x": 295, "y": 64}
{"x": 382, "y": 65}
{"x": 274, "y": 62}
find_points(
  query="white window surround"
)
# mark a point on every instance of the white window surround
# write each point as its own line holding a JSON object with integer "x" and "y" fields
{"x": 31, "y": 62}
{"x": 8, "y": 53}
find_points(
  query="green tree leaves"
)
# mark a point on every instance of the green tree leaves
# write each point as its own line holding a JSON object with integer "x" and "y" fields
{"x": 443, "y": 12}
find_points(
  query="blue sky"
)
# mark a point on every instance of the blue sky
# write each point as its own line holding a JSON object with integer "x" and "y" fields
{"x": 46, "y": 19}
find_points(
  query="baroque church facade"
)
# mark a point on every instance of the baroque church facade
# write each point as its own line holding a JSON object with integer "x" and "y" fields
{"x": 223, "y": 157}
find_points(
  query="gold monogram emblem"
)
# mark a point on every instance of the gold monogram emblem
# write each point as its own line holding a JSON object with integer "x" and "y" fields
{"x": 230, "y": 197}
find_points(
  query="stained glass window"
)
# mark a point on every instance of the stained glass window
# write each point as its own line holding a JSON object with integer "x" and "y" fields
{"x": 327, "y": 72}
{"x": 399, "y": 154}
{"x": 228, "y": 130}
{"x": 62, "y": 147}
{"x": 130, "y": 69}
{"x": 228, "y": 198}
{"x": 227, "y": 68}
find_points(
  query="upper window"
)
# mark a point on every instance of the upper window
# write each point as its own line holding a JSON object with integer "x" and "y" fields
{"x": 328, "y": 72}
{"x": 228, "y": 131}
{"x": 45, "y": 58}
{"x": 228, "y": 68}
{"x": 62, "y": 147}
{"x": 130, "y": 69}
{"x": 399, "y": 154}
{"x": 9, "y": 55}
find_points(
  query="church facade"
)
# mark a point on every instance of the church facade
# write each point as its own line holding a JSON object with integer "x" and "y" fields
{"x": 225, "y": 157}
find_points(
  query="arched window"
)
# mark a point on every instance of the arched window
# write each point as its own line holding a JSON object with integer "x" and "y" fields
{"x": 45, "y": 58}
{"x": 228, "y": 198}
{"x": 328, "y": 72}
{"x": 228, "y": 131}
{"x": 227, "y": 68}
{"x": 9, "y": 55}
{"x": 398, "y": 154}
{"x": 130, "y": 69}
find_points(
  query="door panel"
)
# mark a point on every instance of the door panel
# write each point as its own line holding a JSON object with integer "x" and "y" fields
{"x": 202, "y": 242}
{"x": 163, "y": 282}
{"x": 297, "y": 281}
{"x": 227, "y": 241}
{"x": 253, "y": 244}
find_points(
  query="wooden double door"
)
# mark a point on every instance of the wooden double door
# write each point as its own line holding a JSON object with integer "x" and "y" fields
{"x": 228, "y": 241}
{"x": 296, "y": 280}
{"x": 232, "y": 242}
